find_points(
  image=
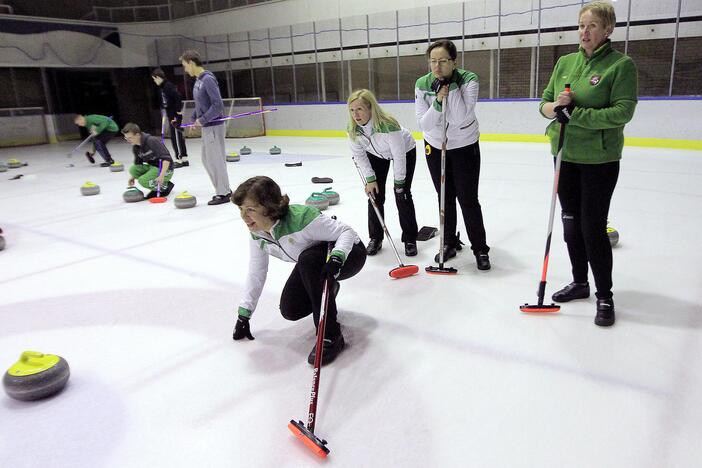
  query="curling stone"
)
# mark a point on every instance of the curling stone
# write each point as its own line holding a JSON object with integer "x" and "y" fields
{"x": 613, "y": 235}
{"x": 36, "y": 376}
{"x": 14, "y": 163}
{"x": 3, "y": 167}
{"x": 116, "y": 167}
{"x": 89, "y": 188}
{"x": 332, "y": 196}
{"x": 245, "y": 150}
{"x": 318, "y": 200}
{"x": 275, "y": 150}
{"x": 2, "y": 243}
{"x": 233, "y": 156}
{"x": 185, "y": 200}
{"x": 133, "y": 195}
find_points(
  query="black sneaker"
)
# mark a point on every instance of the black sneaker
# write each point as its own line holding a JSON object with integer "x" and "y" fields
{"x": 483, "y": 260}
{"x": 410, "y": 249}
{"x": 179, "y": 164}
{"x": 332, "y": 348}
{"x": 90, "y": 157}
{"x": 107, "y": 163}
{"x": 605, "y": 313}
{"x": 374, "y": 246}
{"x": 151, "y": 194}
{"x": 219, "y": 199}
{"x": 572, "y": 291}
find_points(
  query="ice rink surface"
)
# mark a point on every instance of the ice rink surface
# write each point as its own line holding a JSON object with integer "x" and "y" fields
{"x": 438, "y": 372}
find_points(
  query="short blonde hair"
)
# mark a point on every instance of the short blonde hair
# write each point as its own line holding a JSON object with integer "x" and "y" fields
{"x": 603, "y": 10}
{"x": 378, "y": 115}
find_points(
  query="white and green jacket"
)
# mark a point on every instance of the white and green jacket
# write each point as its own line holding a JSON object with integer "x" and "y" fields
{"x": 462, "y": 127}
{"x": 391, "y": 142}
{"x": 303, "y": 227}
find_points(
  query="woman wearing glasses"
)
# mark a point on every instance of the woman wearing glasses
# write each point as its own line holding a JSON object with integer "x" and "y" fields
{"x": 458, "y": 90}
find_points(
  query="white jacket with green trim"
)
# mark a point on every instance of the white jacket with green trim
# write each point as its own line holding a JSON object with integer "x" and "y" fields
{"x": 390, "y": 142}
{"x": 462, "y": 127}
{"x": 303, "y": 227}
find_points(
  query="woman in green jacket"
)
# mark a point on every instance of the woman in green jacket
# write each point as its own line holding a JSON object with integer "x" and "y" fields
{"x": 601, "y": 101}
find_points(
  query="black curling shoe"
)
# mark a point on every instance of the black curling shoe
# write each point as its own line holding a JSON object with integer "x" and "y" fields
{"x": 605, "y": 313}
{"x": 483, "y": 260}
{"x": 572, "y": 291}
{"x": 332, "y": 348}
{"x": 374, "y": 246}
{"x": 410, "y": 249}
{"x": 449, "y": 252}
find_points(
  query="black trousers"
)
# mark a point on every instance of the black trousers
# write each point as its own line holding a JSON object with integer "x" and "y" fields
{"x": 404, "y": 202}
{"x": 585, "y": 192}
{"x": 100, "y": 143}
{"x": 177, "y": 140}
{"x": 462, "y": 177}
{"x": 302, "y": 294}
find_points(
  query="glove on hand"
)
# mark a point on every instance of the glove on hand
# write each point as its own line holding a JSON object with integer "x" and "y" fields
{"x": 241, "y": 329}
{"x": 332, "y": 268}
{"x": 563, "y": 113}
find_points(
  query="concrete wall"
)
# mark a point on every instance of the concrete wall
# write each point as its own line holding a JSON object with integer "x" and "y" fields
{"x": 653, "y": 118}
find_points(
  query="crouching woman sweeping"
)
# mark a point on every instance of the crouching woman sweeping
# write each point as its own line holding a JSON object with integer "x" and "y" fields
{"x": 298, "y": 234}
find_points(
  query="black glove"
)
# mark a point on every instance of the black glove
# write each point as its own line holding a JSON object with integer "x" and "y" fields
{"x": 438, "y": 83}
{"x": 400, "y": 192}
{"x": 177, "y": 121}
{"x": 242, "y": 330}
{"x": 332, "y": 268}
{"x": 563, "y": 113}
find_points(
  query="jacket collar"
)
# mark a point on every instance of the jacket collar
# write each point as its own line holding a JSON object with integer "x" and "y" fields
{"x": 601, "y": 51}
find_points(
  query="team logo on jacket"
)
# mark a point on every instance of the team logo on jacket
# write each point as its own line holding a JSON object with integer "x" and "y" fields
{"x": 595, "y": 79}
{"x": 427, "y": 150}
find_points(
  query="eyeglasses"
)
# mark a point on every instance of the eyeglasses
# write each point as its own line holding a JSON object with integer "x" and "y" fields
{"x": 441, "y": 62}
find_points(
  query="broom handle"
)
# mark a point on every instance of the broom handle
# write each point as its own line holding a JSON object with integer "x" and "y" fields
{"x": 554, "y": 196}
{"x": 312, "y": 413}
{"x": 380, "y": 217}
{"x": 442, "y": 195}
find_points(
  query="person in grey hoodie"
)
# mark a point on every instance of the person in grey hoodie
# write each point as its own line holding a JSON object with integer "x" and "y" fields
{"x": 208, "y": 108}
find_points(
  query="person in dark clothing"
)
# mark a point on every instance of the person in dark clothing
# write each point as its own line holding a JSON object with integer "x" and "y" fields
{"x": 102, "y": 129}
{"x": 171, "y": 103}
{"x": 152, "y": 161}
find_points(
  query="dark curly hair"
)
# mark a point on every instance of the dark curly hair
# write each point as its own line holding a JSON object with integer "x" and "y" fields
{"x": 266, "y": 193}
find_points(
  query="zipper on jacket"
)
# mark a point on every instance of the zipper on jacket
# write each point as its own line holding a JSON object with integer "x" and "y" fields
{"x": 379, "y": 154}
{"x": 273, "y": 241}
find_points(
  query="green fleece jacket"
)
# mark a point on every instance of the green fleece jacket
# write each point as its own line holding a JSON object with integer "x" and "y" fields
{"x": 101, "y": 123}
{"x": 605, "y": 88}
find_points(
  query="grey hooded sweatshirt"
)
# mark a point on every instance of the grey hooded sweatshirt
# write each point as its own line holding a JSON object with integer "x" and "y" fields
{"x": 208, "y": 100}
